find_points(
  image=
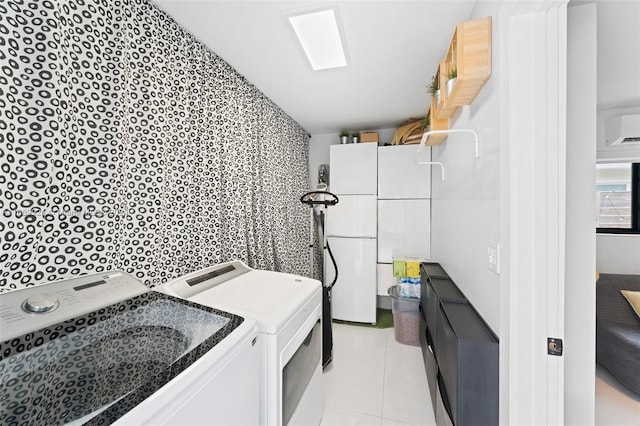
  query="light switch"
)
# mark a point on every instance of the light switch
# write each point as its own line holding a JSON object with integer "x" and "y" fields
{"x": 493, "y": 256}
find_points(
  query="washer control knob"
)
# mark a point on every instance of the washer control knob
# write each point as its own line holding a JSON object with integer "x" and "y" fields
{"x": 41, "y": 303}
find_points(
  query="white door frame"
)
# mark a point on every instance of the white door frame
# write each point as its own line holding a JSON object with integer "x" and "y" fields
{"x": 580, "y": 291}
{"x": 533, "y": 165}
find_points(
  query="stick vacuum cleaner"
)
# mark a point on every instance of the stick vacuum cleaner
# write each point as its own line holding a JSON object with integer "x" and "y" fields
{"x": 319, "y": 201}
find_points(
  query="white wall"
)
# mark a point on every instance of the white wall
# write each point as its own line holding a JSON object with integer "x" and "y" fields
{"x": 580, "y": 257}
{"x": 319, "y": 154}
{"x": 465, "y": 209}
{"x": 319, "y": 151}
{"x": 618, "y": 254}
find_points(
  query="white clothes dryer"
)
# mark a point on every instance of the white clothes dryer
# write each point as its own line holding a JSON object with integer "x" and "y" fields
{"x": 287, "y": 309}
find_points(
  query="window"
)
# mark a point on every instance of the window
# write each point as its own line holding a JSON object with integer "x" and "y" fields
{"x": 618, "y": 198}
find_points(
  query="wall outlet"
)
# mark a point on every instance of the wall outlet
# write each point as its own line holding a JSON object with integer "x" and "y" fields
{"x": 493, "y": 256}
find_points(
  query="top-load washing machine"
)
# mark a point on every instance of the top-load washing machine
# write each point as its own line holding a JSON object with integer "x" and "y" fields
{"x": 287, "y": 309}
{"x": 104, "y": 349}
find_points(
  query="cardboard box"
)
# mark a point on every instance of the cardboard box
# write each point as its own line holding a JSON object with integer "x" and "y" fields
{"x": 369, "y": 137}
{"x": 413, "y": 268}
{"x": 399, "y": 268}
{"x": 407, "y": 267}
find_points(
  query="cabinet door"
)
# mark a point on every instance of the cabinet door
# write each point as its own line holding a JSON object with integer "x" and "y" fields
{"x": 353, "y": 216}
{"x": 354, "y": 294}
{"x": 398, "y": 174}
{"x": 385, "y": 278}
{"x": 404, "y": 229}
{"x": 441, "y": 414}
{"x": 353, "y": 169}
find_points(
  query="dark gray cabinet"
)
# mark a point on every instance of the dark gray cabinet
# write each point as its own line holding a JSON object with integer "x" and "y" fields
{"x": 437, "y": 290}
{"x": 461, "y": 353}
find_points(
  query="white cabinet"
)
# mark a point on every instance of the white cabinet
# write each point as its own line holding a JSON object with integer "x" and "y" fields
{"x": 384, "y": 204}
{"x": 399, "y": 177}
{"x": 385, "y": 278}
{"x": 354, "y": 294}
{"x": 353, "y": 169}
{"x": 351, "y": 230}
{"x": 404, "y": 208}
{"x": 403, "y": 229}
{"x": 353, "y": 216}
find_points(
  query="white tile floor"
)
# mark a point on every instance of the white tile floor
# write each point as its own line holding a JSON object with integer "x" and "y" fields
{"x": 376, "y": 381}
{"x": 615, "y": 405}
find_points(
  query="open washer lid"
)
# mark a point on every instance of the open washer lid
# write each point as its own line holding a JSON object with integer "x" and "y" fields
{"x": 95, "y": 346}
{"x": 270, "y": 298}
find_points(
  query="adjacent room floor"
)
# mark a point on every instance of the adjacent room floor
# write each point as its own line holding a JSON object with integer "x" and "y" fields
{"x": 376, "y": 381}
{"x": 615, "y": 404}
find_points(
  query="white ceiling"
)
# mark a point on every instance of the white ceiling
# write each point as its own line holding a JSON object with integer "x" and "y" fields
{"x": 393, "y": 49}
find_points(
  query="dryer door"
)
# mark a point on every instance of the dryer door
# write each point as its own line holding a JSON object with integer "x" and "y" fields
{"x": 298, "y": 372}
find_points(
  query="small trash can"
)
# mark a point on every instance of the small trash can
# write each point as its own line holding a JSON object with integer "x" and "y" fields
{"x": 406, "y": 318}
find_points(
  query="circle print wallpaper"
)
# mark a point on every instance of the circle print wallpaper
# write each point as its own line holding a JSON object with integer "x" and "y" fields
{"x": 126, "y": 144}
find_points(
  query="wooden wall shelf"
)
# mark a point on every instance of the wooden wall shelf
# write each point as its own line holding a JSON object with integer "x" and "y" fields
{"x": 437, "y": 124}
{"x": 470, "y": 54}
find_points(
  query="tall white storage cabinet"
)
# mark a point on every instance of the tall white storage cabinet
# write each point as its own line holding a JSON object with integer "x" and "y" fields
{"x": 351, "y": 229}
{"x": 404, "y": 209}
{"x": 353, "y": 169}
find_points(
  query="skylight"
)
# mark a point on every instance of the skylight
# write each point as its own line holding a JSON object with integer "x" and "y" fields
{"x": 320, "y": 38}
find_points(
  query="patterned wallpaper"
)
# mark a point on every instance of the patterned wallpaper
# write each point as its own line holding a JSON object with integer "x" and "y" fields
{"x": 126, "y": 144}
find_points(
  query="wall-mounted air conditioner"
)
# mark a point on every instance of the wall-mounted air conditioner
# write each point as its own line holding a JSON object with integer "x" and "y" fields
{"x": 622, "y": 130}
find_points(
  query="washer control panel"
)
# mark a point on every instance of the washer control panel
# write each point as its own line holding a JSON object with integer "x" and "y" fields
{"x": 30, "y": 309}
{"x": 199, "y": 281}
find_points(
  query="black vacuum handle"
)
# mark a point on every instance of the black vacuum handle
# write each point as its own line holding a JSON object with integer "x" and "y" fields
{"x": 307, "y": 199}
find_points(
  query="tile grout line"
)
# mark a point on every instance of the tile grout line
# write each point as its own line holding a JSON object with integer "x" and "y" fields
{"x": 384, "y": 375}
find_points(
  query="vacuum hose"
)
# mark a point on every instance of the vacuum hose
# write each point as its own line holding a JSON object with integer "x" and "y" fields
{"x": 333, "y": 259}
{"x": 319, "y": 201}
{"x": 324, "y": 199}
